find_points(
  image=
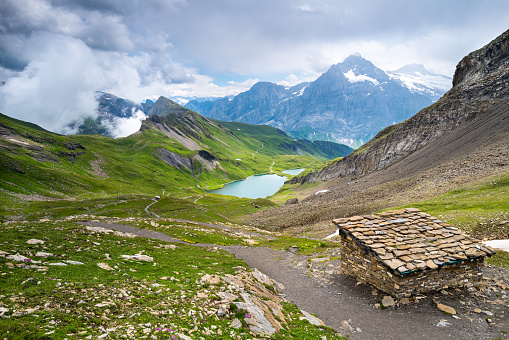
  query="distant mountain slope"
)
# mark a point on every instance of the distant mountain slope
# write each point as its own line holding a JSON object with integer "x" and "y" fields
{"x": 349, "y": 103}
{"x": 481, "y": 81}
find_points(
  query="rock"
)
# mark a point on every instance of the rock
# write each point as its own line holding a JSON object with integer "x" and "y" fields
{"x": 443, "y": 323}
{"x": 35, "y": 241}
{"x": 18, "y": 257}
{"x": 312, "y": 319}
{"x": 104, "y": 304}
{"x": 3, "y": 310}
{"x": 73, "y": 262}
{"x": 104, "y": 266}
{"x": 388, "y": 301}
{"x": 431, "y": 265}
{"x": 236, "y": 324}
{"x": 184, "y": 337}
{"x": 293, "y": 249}
{"x": 405, "y": 301}
{"x": 222, "y": 311}
{"x": 60, "y": 264}
{"x": 226, "y": 297}
{"x": 250, "y": 242}
{"x": 320, "y": 259}
{"x": 3, "y": 253}
{"x": 138, "y": 257}
{"x": 43, "y": 254}
{"x": 477, "y": 310}
{"x": 446, "y": 309}
{"x": 211, "y": 279}
{"x": 257, "y": 314}
{"x": 291, "y": 201}
{"x": 261, "y": 277}
{"x": 394, "y": 263}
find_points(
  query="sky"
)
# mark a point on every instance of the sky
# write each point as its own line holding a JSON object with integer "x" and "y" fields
{"x": 55, "y": 54}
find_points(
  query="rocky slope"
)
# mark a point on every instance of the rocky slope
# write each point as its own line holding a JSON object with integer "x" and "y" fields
{"x": 481, "y": 81}
{"x": 349, "y": 103}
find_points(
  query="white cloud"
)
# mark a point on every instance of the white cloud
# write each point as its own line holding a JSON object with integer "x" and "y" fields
{"x": 123, "y": 127}
{"x": 58, "y": 85}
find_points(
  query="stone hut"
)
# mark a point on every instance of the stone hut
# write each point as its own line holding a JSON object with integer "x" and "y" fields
{"x": 407, "y": 252}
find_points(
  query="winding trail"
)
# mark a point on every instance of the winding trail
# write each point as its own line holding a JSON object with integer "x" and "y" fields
{"x": 270, "y": 167}
{"x": 148, "y": 206}
{"x": 342, "y": 304}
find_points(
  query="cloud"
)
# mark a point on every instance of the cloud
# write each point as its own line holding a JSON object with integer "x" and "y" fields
{"x": 58, "y": 85}
{"x": 123, "y": 127}
{"x": 59, "y": 52}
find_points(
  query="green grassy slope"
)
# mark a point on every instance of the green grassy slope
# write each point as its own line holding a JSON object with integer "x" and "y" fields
{"x": 38, "y": 167}
{"x": 481, "y": 208}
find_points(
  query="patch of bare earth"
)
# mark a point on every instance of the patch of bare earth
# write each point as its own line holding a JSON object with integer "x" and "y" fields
{"x": 96, "y": 168}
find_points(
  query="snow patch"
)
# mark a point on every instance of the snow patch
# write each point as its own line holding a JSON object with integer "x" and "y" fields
{"x": 352, "y": 78}
{"x": 300, "y": 92}
{"x": 336, "y": 233}
{"x": 498, "y": 244}
{"x": 423, "y": 83}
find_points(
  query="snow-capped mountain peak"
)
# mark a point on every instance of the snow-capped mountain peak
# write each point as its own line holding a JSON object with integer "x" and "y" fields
{"x": 417, "y": 79}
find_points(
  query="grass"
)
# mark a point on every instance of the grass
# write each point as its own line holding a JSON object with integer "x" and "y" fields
{"x": 162, "y": 299}
{"x": 500, "y": 259}
{"x": 481, "y": 208}
{"x": 306, "y": 246}
{"x": 195, "y": 233}
{"x": 87, "y": 172}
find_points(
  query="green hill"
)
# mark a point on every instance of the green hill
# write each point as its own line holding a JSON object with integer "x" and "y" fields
{"x": 179, "y": 152}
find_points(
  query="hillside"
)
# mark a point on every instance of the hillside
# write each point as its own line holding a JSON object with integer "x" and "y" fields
{"x": 348, "y": 104}
{"x": 458, "y": 144}
{"x": 179, "y": 151}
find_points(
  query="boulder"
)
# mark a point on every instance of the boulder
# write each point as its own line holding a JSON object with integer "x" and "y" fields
{"x": 291, "y": 201}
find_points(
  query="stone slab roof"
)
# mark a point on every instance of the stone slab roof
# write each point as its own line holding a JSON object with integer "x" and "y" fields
{"x": 409, "y": 240}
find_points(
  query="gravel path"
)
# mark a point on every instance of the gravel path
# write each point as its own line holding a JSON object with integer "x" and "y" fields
{"x": 346, "y": 306}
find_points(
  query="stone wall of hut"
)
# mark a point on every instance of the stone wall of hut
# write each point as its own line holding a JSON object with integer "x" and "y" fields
{"x": 357, "y": 261}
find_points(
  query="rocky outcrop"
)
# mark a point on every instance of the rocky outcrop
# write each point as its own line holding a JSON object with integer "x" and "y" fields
{"x": 481, "y": 82}
{"x": 174, "y": 159}
{"x": 487, "y": 60}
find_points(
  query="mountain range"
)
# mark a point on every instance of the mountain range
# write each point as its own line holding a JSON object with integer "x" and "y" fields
{"x": 457, "y": 145}
{"x": 348, "y": 104}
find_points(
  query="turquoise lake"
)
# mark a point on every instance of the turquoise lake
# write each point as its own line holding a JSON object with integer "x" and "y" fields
{"x": 257, "y": 186}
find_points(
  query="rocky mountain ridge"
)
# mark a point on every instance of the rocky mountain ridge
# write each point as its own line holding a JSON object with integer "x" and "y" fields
{"x": 189, "y": 128}
{"x": 349, "y": 103}
{"x": 481, "y": 81}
